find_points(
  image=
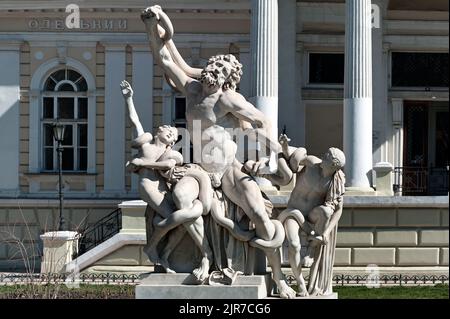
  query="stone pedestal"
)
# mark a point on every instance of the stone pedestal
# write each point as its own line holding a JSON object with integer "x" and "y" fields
{"x": 59, "y": 247}
{"x": 333, "y": 295}
{"x": 384, "y": 181}
{"x": 180, "y": 286}
{"x": 133, "y": 216}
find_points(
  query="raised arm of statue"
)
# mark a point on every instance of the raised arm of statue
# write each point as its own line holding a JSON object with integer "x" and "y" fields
{"x": 166, "y": 31}
{"x": 160, "y": 32}
{"x": 127, "y": 93}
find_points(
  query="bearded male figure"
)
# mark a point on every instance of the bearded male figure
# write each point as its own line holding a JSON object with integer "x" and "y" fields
{"x": 213, "y": 103}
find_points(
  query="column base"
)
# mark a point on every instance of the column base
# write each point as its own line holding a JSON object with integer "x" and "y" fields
{"x": 360, "y": 191}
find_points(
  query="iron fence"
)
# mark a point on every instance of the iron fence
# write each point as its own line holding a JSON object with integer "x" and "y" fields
{"x": 382, "y": 280}
{"x": 135, "y": 279}
{"x": 64, "y": 278}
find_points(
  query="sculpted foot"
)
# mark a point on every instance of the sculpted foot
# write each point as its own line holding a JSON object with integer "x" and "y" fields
{"x": 302, "y": 291}
{"x": 308, "y": 261}
{"x": 286, "y": 292}
{"x": 165, "y": 265}
{"x": 202, "y": 272}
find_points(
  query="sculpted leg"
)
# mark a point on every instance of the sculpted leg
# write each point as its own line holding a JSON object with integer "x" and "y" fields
{"x": 155, "y": 196}
{"x": 197, "y": 232}
{"x": 242, "y": 190}
{"x": 245, "y": 192}
{"x": 161, "y": 203}
{"x": 292, "y": 229}
{"x": 274, "y": 258}
{"x": 320, "y": 216}
{"x": 174, "y": 239}
{"x": 183, "y": 194}
{"x": 189, "y": 209}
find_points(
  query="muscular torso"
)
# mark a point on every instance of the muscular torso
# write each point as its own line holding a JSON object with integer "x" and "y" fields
{"x": 211, "y": 116}
{"x": 310, "y": 189}
{"x": 152, "y": 153}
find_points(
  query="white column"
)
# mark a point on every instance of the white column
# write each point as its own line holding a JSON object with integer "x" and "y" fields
{"x": 143, "y": 92}
{"x": 9, "y": 118}
{"x": 114, "y": 167}
{"x": 290, "y": 113}
{"x": 264, "y": 51}
{"x": 358, "y": 95}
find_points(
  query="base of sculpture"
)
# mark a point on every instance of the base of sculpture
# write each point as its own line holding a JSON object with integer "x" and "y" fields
{"x": 182, "y": 286}
{"x": 333, "y": 295}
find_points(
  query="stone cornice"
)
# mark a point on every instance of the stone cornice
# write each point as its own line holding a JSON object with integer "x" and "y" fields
{"x": 128, "y": 6}
{"x": 111, "y": 39}
{"x": 380, "y": 201}
{"x": 10, "y": 45}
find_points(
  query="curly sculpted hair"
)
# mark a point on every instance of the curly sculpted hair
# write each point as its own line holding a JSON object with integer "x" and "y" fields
{"x": 236, "y": 70}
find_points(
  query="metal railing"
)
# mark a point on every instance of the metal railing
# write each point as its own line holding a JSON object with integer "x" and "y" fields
{"x": 64, "y": 278}
{"x": 101, "y": 231}
{"x": 382, "y": 280}
{"x": 421, "y": 181}
{"x": 135, "y": 279}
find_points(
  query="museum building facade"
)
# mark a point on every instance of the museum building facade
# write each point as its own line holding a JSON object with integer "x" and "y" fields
{"x": 51, "y": 72}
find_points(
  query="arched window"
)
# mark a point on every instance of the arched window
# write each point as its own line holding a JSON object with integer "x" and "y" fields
{"x": 65, "y": 100}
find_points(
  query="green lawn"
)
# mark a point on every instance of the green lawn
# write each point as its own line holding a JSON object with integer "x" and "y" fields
{"x": 127, "y": 292}
{"x": 398, "y": 292}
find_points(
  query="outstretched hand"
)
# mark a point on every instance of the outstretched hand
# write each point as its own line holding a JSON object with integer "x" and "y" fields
{"x": 127, "y": 91}
{"x": 151, "y": 12}
{"x": 155, "y": 19}
{"x": 284, "y": 140}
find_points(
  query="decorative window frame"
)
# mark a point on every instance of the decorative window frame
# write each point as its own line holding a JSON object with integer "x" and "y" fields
{"x": 74, "y": 122}
{"x": 35, "y": 170}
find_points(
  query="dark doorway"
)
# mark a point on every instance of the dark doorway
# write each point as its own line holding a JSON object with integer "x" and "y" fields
{"x": 425, "y": 149}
